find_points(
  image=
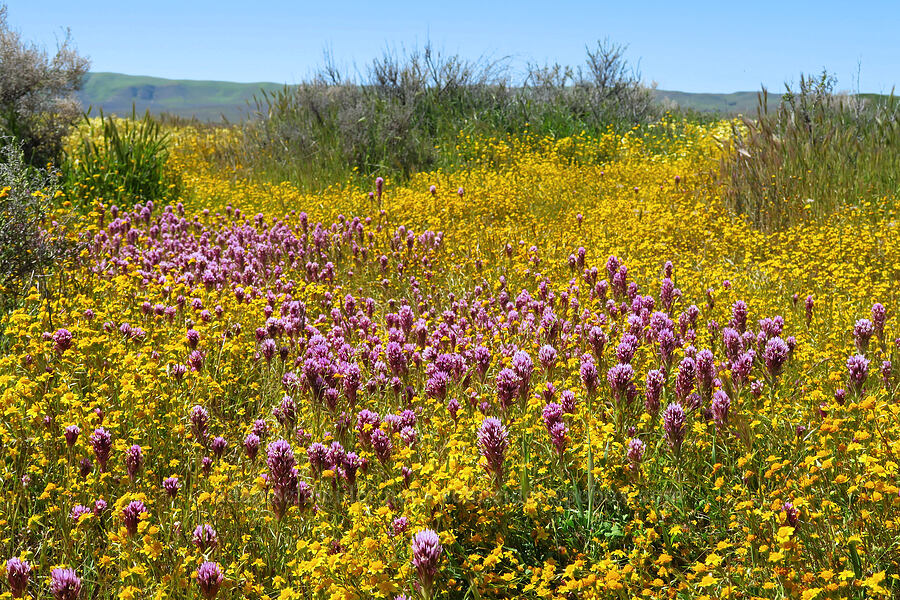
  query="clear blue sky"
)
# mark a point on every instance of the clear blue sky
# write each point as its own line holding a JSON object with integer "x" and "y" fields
{"x": 719, "y": 46}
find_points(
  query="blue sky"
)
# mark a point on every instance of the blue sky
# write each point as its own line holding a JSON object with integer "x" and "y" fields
{"x": 701, "y": 46}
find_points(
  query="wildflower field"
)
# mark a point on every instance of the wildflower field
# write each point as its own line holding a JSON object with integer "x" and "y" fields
{"x": 539, "y": 375}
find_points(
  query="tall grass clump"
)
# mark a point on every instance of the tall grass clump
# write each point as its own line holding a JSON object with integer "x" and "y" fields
{"x": 406, "y": 112}
{"x": 817, "y": 152}
{"x": 117, "y": 159}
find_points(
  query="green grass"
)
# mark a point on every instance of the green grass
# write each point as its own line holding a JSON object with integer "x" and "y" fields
{"x": 119, "y": 161}
{"x": 813, "y": 154}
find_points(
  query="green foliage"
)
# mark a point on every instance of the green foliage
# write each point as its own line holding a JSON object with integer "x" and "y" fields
{"x": 814, "y": 154}
{"x": 27, "y": 249}
{"x": 407, "y": 113}
{"x": 119, "y": 159}
{"x": 37, "y": 101}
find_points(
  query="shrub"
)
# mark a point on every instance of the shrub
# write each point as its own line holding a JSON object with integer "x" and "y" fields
{"x": 27, "y": 249}
{"x": 118, "y": 159}
{"x": 817, "y": 152}
{"x": 37, "y": 101}
{"x": 406, "y": 113}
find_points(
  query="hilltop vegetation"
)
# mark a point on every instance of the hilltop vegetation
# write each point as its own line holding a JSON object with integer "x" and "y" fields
{"x": 116, "y": 93}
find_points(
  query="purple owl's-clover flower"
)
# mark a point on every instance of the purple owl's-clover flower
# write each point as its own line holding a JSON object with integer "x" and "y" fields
{"x": 558, "y": 432}
{"x": 862, "y": 334}
{"x": 791, "y": 514}
{"x": 508, "y": 383}
{"x": 667, "y": 344}
{"x": 673, "y": 426}
{"x": 635, "y": 452}
{"x": 653, "y": 390}
{"x": 17, "y": 574}
{"x": 453, "y": 408}
{"x": 317, "y": 455}
{"x": 171, "y": 485}
{"x": 482, "y": 359}
{"x": 62, "y": 339}
{"x": 436, "y": 386}
{"x": 547, "y": 357}
{"x": 620, "y": 381}
{"x": 739, "y": 316}
{"x": 589, "y": 376}
{"x": 131, "y": 515}
{"x": 598, "y": 340}
{"x": 552, "y": 413}
{"x": 426, "y": 554}
{"x": 65, "y": 584}
{"x": 209, "y": 579}
{"x": 858, "y": 368}
{"x": 879, "y": 317}
{"x": 251, "y": 445}
{"x": 706, "y": 370}
{"x": 200, "y": 423}
{"x": 686, "y": 378}
{"x": 720, "y": 406}
{"x": 399, "y": 526}
{"x": 366, "y": 423}
{"x": 741, "y": 367}
{"x": 218, "y": 446}
{"x": 78, "y": 511}
{"x": 524, "y": 367}
{"x": 101, "y": 441}
{"x": 733, "y": 343}
{"x": 493, "y": 440}
{"x": 71, "y": 434}
{"x": 205, "y": 537}
{"x": 282, "y": 475}
{"x": 775, "y": 355}
{"x": 134, "y": 460}
{"x": 381, "y": 444}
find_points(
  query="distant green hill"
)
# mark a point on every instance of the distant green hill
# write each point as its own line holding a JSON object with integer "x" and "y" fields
{"x": 743, "y": 103}
{"x": 211, "y": 100}
{"x": 204, "y": 100}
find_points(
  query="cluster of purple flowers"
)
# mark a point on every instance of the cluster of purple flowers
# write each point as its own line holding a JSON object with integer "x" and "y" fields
{"x": 209, "y": 579}
{"x": 205, "y": 537}
{"x": 134, "y": 460}
{"x": 674, "y": 426}
{"x": 101, "y": 441}
{"x": 493, "y": 440}
{"x": 426, "y": 555}
{"x": 131, "y": 515}
{"x": 336, "y": 353}
{"x": 18, "y": 573}
{"x": 282, "y": 475}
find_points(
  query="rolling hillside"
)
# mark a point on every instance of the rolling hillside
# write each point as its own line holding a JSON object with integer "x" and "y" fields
{"x": 211, "y": 100}
{"x": 204, "y": 100}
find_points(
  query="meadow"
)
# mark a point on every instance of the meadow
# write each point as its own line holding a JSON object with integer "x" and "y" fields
{"x": 563, "y": 366}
